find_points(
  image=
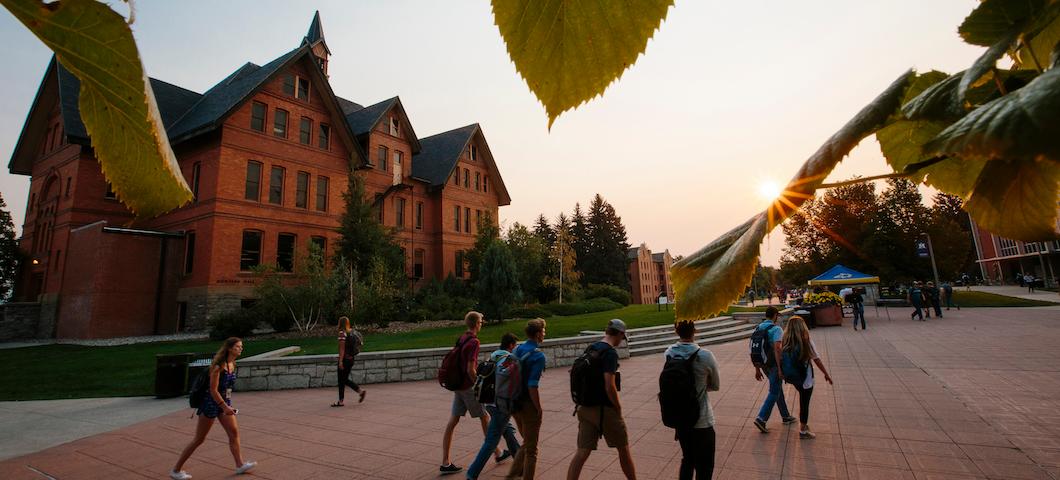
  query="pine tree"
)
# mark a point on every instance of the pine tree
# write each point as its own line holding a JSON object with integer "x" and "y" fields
{"x": 497, "y": 287}
{"x": 530, "y": 255}
{"x": 606, "y": 262}
{"x": 580, "y": 241}
{"x": 10, "y": 256}
{"x": 544, "y": 231}
{"x": 487, "y": 232}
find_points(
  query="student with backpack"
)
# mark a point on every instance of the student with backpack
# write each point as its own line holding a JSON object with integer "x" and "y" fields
{"x": 916, "y": 299}
{"x": 595, "y": 384}
{"x": 797, "y": 351}
{"x": 350, "y": 344}
{"x": 213, "y": 400}
{"x": 499, "y": 387}
{"x": 528, "y": 413}
{"x": 689, "y": 373}
{"x": 457, "y": 373}
{"x": 765, "y": 356}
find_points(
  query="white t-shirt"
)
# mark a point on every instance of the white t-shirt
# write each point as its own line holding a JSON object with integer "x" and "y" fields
{"x": 808, "y": 383}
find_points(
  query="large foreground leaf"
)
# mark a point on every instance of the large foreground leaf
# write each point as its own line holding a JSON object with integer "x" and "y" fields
{"x": 993, "y": 20}
{"x": 1017, "y": 199}
{"x": 1040, "y": 39}
{"x": 706, "y": 281}
{"x": 570, "y": 51}
{"x": 117, "y": 105}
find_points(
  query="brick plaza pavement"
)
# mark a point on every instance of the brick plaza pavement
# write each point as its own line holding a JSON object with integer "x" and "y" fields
{"x": 973, "y": 395}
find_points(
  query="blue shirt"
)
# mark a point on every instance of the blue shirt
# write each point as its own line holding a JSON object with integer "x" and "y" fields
{"x": 775, "y": 334}
{"x": 535, "y": 363}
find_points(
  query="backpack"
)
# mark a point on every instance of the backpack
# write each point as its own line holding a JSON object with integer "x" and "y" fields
{"x": 511, "y": 382}
{"x": 762, "y": 348}
{"x": 794, "y": 370}
{"x": 452, "y": 374}
{"x": 587, "y": 378}
{"x": 199, "y": 389}
{"x": 485, "y": 383}
{"x": 678, "y": 396}
{"x": 354, "y": 343}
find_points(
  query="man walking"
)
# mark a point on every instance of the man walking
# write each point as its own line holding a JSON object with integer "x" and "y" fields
{"x": 604, "y": 419}
{"x": 697, "y": 442}
{"x": 528, "y": 415}
{"x": 933, "y": 295}
{"x": 915, "y": 297}
{"x": 857, "y": 304}
{"x": 771, "y": 370}
{"x": 947, "y": 293}
{"x": 464, "y": 400}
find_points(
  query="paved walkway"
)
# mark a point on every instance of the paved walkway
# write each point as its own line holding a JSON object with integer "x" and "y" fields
{"x": 972, "y": 395}
{"x": 1017, "y": 291}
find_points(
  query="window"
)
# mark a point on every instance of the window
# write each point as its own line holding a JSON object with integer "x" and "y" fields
{"x": 196, "y": 169}
{"x": 467, "y": 178}
{"x": 189, "y": 252}
{"x": 485, "y": 183}
{"x": 398, "y": 158}
{"x": 394, "y": 127}
{"x": 276, "y": 186}
{"x": 478, "y": 219}
{"x": 253, "y": 181}
{"x": 324, "y": 136}
{"x": 471, "y": 153}
{"x": 417, "y": 262}
{"x": 419, "y": 215}
{"x": 303, "y": 89}
{"x": 459, "y": 267}
{"x": 467, "y": 219}
{"x": 69, "y": 180}
{"x": 1008, "y": 247}
{"x": 456, "y": 177}
{"x": 305, "y": 131}
{"x": 250, "y": 253}
{"x": 322, "y": 194}
{"x": 285, "y": 252}
{"x": 257, "y": 116}
{"x": 288, "y": 84}
{"x": 456, "y": 217}
{"x": 279, "y": 123}
{"x": 301, "y": 190}
{"x": 478, "y": 177}
{"x": 109, "y": 193}
{"x": 321, "y": 244}
{"x": 400, "y": 213}
{"x": 380, "y": 157}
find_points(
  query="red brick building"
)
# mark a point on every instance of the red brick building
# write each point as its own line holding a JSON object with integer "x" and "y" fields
{"x": 1002, "y": 261}
{"x": 267, "y": 151}
{"x": 649, "y": 275}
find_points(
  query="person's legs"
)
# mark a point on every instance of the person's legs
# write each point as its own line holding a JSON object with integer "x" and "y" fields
{"x": 447, "y": 438}
{"x": 528, "y": 419}
{"x": 344, "y": 376}
{"x": 201, "y": 429}
{"x": 497, "y": 423}
{"x": 625, "y": 460}
{"x": 516, "y": 470}
{"x": 577, "y": 462}
{"x": 804, "y": 407}
{"x": 774, "y": 397}
{"x": 705, "y": 456}
{"x": 228, "y": 422}
{"x": 510, "y": 440}
{"x": 686, "y": 437}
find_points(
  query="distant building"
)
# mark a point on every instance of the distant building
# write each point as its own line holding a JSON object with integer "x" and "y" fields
{"x": 1002, "y": 260}
{"x": 649, "y": 275}
{"x": 267, "y": 152}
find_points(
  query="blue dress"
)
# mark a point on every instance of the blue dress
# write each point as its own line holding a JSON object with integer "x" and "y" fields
{"x": 209, "y": 407}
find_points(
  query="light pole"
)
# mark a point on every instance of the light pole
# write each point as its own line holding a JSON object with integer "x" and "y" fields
{"x": 931, "y": 253}
{"x": 559, "y": 256}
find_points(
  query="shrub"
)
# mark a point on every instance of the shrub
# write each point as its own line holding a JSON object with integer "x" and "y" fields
{"x": 234, "y": 323}
{"x": 579, "y": 308}
{"x": 440, "y": 301}
{"x": 616, "y": 294}
{"x": 529, "y": 311}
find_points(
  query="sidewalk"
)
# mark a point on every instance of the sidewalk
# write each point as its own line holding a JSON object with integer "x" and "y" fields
{"x": 972, "y": 395}
{"x": 1017, "y": 291}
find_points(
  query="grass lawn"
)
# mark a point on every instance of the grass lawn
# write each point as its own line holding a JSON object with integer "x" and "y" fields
{"x": 983, "y": 299}
{"x": 71, "y": 371}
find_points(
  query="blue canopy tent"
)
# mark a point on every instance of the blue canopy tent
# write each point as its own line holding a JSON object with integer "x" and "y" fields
{"x": 840, "y": 276}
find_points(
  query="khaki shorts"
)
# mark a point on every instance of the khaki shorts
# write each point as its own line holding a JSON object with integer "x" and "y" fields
{"x": 464, "y": 402}
{"x": 592, "y": 425}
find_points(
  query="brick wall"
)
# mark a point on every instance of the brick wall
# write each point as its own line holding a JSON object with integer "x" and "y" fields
{"x": 19, "y": 320}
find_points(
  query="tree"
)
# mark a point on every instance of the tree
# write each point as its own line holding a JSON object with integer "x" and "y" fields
{"x": 606, "y": 262}
{"x": 562, "y": 274}
{"x": 498, "y": 282}
{"x": 530, "y": 254}
{"x": 580, "y": 239}
{"x": 10, "y": 256}
{"x": 487, "y": 232}
{"x": 378, "y": 293}
{"x": 302, "y": 300}
{"x": 544, "y": 231}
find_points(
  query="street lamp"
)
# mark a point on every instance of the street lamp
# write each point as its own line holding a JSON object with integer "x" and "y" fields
{"x": 931, "y": 253}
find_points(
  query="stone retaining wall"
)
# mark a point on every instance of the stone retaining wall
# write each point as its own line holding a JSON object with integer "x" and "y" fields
{"x": 19, "y": 321}
{"x": 310, "y": 371}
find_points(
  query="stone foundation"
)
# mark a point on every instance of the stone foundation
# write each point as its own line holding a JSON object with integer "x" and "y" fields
{"x": 19, "y": 321}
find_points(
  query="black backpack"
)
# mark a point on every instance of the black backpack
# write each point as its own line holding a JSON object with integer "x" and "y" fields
{"x": 200, "y": 388}
{"x": 486, "y": 383}
{"x": 762, "y": 348}
{"x": 678, "y": 396}
{"x": 587, "y": 378}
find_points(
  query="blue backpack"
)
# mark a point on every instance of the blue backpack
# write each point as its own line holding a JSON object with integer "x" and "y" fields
{"x": 510, "y": 384}
{"x": 793, "y": 369}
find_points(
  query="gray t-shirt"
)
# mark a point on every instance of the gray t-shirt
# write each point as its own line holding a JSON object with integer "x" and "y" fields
{"x": 706, "y": 371}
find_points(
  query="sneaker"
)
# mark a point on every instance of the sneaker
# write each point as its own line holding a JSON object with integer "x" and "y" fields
{"x": 246, "y": 467}
{"x": 449, "y": 469}
{"x": 807, "y": 435}
{"x": 504, "y": 456}
{"x": 789, "y": 420}
{"x": 761, "y": 424}
{"x": 181, "y": 475}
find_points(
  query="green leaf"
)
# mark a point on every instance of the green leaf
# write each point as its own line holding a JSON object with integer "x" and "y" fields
{"x": 1024, "y": 124}
{"x": 932, "y": 96}
{"x": 570, "y": 51}
{"x": 955, "y": 175}
{"x": 117, "y": 106}
{"x": 929, "y": 98}
{"x": 902, "y": 142}
{"x": 988, "y": 60}
{"x": 1017, "y": 199}
{"x": 1039, "y": 40}
{"x": 993, "y": 20}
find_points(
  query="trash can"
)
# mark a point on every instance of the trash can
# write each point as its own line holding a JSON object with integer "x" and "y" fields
{"x": 808, "y": 316}
{"x": 200, "y": 364}
{"x": 171, "y": 374}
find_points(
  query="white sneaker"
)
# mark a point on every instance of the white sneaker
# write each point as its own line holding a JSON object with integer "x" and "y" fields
{"x": 245, "y": 468}
{"x": 181, "y": 475}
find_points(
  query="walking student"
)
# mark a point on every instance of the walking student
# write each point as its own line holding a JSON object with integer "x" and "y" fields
{"x": 933, "y": 298}
{"x": 464, "y": 401}
{"x": 350, "y": 344}
{"x": 499, "y": 425}
{"x": 528, "y": 415}
{"x": 798, "y": 350}
{"x": 915, "y": 297}
{"x": 947, "y": 294}
{"x": 770, "y": 335}
{"x": 697, "y": 441}
{"x": 857, "y": 302}
{"x": 600, "y": 410}
{"x": 218, "y": 405}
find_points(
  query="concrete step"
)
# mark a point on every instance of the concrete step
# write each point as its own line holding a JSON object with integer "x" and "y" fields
{"x": 700, "y": 324}
{"x": 668, "y": 330}
{"x": 701, "y": 336}
{"x": 734, "y": 336}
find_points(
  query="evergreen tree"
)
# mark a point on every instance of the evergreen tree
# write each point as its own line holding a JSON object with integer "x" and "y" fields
{"x": 10, "y": 256}
{"x": 530, "y": 255}
{"x": 486, "y": 234}
{"x": 606, "y": 261}
{"x": 580, "y": 241}
{"x": 498, "y": 281}
{"x": 544, "y": 231}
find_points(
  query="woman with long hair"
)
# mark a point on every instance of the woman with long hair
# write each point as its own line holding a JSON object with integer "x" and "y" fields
{"x": 349, "y": 346}
{"x": 218, "y": 405}
{"x": 797, "y": 350}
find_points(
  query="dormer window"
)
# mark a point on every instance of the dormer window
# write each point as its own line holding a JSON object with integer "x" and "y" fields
{"x": 288, "y": 84}
{"x": 394, "y": 126}
{"x": 302, "y": 93}
{"x": 472, "y": 153}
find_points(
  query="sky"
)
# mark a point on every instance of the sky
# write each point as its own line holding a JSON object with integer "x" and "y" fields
{"x": 727, "y": 96}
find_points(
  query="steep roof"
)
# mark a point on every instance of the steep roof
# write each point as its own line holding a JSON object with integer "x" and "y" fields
{"x": 348, "y": 106}
{"x": 362, "y": 121}
{"x": 316, "y": 33}
{"x": 440, "y": 154}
